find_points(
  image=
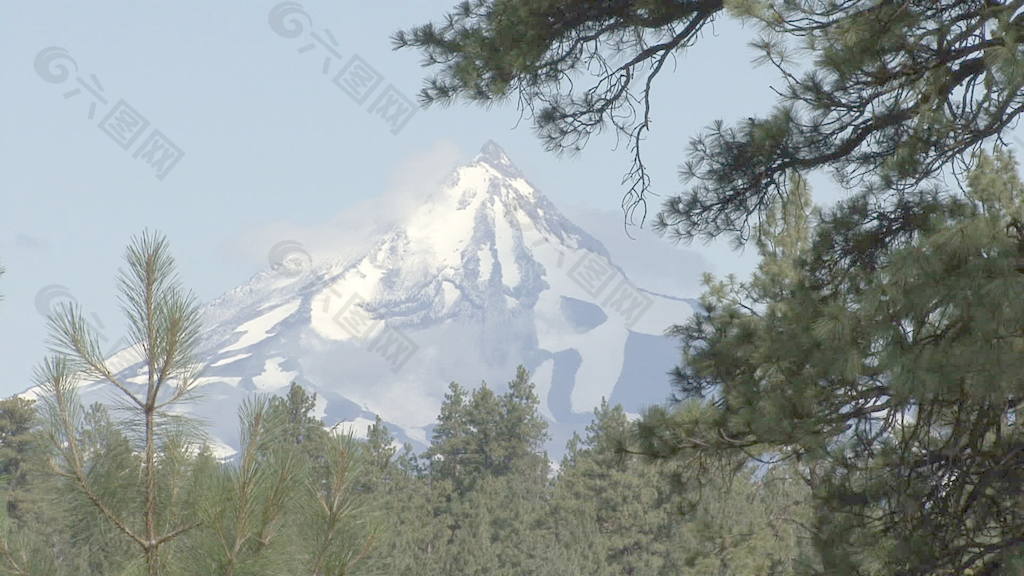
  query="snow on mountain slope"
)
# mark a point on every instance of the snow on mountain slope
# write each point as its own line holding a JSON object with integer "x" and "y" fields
{"x": 485, "y": 274}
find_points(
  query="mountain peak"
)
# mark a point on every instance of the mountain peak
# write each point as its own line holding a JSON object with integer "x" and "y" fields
{"x": 493, "y": 154}
{"x": 480, "y": 276}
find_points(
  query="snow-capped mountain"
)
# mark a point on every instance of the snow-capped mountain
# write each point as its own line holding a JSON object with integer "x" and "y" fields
{"x": 485, "y": 274}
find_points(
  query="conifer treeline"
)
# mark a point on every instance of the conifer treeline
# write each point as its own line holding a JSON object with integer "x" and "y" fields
{"x": 143, "y": 493}
{"x": 482, "y": 500}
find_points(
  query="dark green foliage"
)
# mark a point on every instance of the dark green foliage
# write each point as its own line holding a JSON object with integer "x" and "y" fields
{"x": 140, "y": 493}
{"x": 487, "y": 434}
{"x": 603, "y": 514}
{"x": 294, "y": 411}
{"x": 17, "y": 422}
{"x": 888, "y": 93}
{"x": 289, "y": 506}
{"x": 379, "y": 442}
{"x": 450, "y": 442}
{"x": 277, "y": 510}
{"x": 327, "y": 504}
{"x": 674, "y": 517}
{"x": 897, "y": 385}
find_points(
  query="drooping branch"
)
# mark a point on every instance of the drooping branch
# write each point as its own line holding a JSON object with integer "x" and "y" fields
{"x": 539, "y": 52}
{"x": 885, "y": 93}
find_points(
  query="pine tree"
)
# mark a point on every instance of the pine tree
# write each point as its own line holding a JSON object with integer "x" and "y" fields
{"x": 613, "y": 506}
{"x": 488, "y": 433}
{"x": 497, "y": 515}
{"x": 163, "y": 322}
{"x": 485, "y": 454}
{"x": 448, "y": 445}
{"x": 881, "y": 93}
{"x": 56, "y": 530}
{"x": 292, "y": 504}
{"x": 242, "y": 508}
{"x": 618, "y": 513}
{"x": 410, "y": 503}
{"x": 338, "y": 527}
{"x": 34, "y": 531}
{"x": 296, "y": 408}
{"x": 142, "y": 494}
{"x": 524, "y": 430}
{"x": 480, "y": 506}
{"x": 413, "y": 536}
{"x": 17, "y": 422}
{"x": 896, "y": 383}
{"x": 503, "y": 528}
{"x": 381, "y": 443}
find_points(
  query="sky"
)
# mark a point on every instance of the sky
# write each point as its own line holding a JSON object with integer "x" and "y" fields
{"x": 202, "y": 121}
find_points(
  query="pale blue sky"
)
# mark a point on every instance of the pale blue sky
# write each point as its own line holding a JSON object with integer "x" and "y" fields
{"x": 269, "y": 143}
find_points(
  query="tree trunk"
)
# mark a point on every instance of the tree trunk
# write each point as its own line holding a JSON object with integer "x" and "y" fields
{"x": 152, "y": 548}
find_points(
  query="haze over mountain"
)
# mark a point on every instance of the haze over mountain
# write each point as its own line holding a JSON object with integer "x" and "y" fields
{"x": 483, "y": 275}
